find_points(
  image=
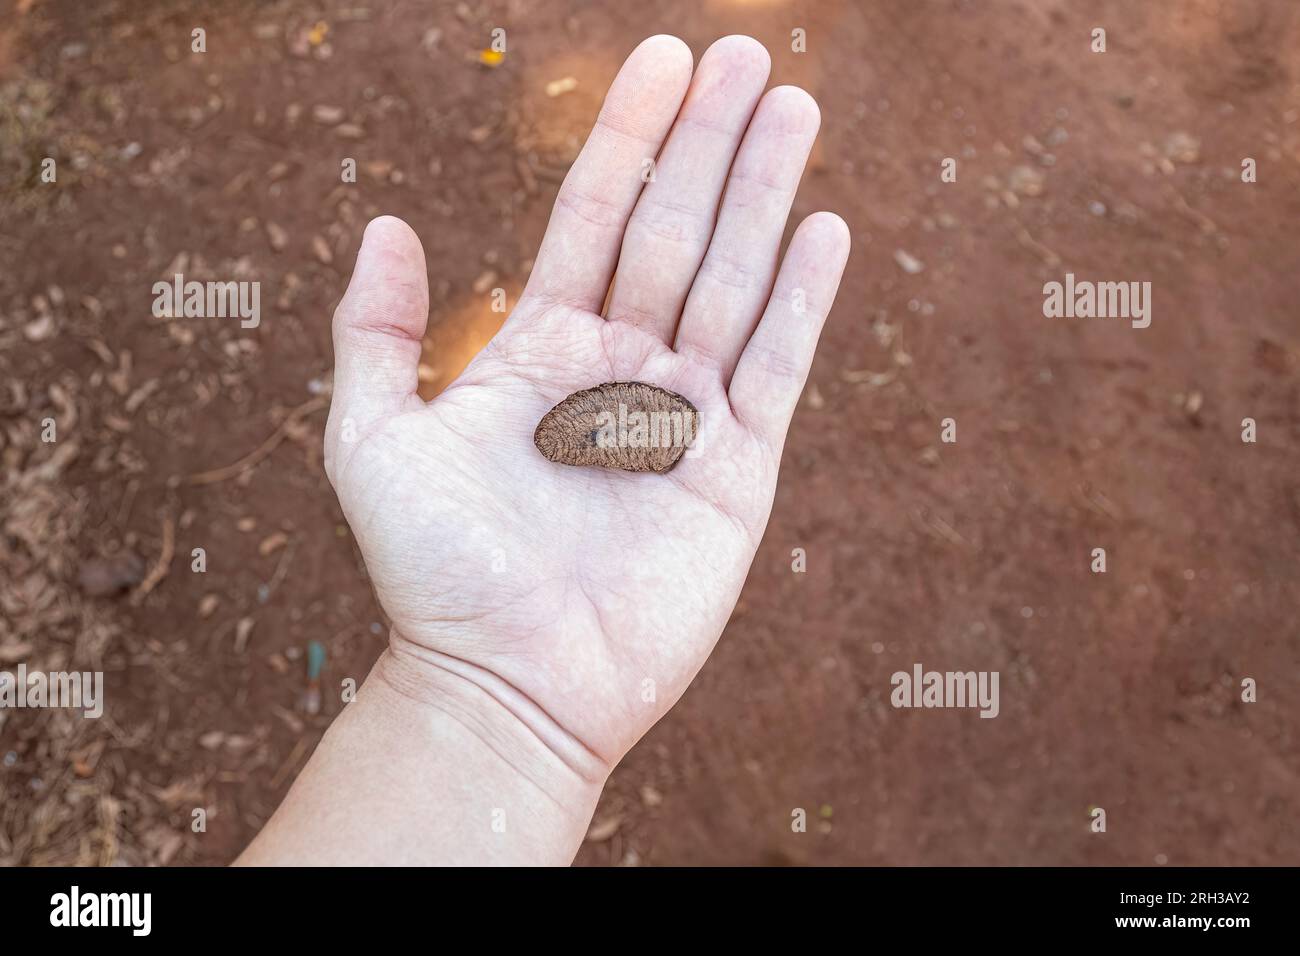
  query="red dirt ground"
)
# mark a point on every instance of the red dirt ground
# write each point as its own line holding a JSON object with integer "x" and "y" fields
{"x": 1118, "y": 690}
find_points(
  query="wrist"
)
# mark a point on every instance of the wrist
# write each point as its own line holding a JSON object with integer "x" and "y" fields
{"x": 491, "y": 707}
{"x": 428, "y": 766}
{"x": 531, "y": 786}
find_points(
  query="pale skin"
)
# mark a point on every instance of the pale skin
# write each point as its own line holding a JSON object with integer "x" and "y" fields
{"x": 544, "y": 617}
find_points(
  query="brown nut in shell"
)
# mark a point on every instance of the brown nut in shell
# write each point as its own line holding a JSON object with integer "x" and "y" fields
{"x": 630, "y": 426}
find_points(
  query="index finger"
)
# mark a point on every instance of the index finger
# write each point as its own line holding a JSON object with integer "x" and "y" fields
{"x": 580, "y": 249}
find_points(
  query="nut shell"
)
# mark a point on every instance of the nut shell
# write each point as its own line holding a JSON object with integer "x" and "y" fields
{"x": 629, "y": 426}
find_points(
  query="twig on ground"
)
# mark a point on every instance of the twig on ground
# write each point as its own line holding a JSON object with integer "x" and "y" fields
{"x": 261, "y": 451}
{"x": 162, "y": 566}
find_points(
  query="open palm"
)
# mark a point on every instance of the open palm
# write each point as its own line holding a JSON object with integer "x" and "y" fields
{"x": 587, "y": 599}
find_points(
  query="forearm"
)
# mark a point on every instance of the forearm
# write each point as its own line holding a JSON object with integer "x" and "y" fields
{"x": 431, "y": 766}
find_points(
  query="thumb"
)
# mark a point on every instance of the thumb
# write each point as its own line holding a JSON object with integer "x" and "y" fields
{"x": 377, "y": 331}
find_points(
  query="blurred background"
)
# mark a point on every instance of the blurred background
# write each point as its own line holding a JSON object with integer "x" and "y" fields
{"x": 1118, "y": 690}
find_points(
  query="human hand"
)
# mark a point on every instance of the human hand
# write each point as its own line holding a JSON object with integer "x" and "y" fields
{"x": 576, "y": 600}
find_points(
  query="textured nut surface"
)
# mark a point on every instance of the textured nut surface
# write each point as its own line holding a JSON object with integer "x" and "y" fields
{"x": 630, "y": 426}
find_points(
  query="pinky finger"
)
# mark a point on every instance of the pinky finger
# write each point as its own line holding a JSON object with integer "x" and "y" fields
{"x": 775, "y": 362}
